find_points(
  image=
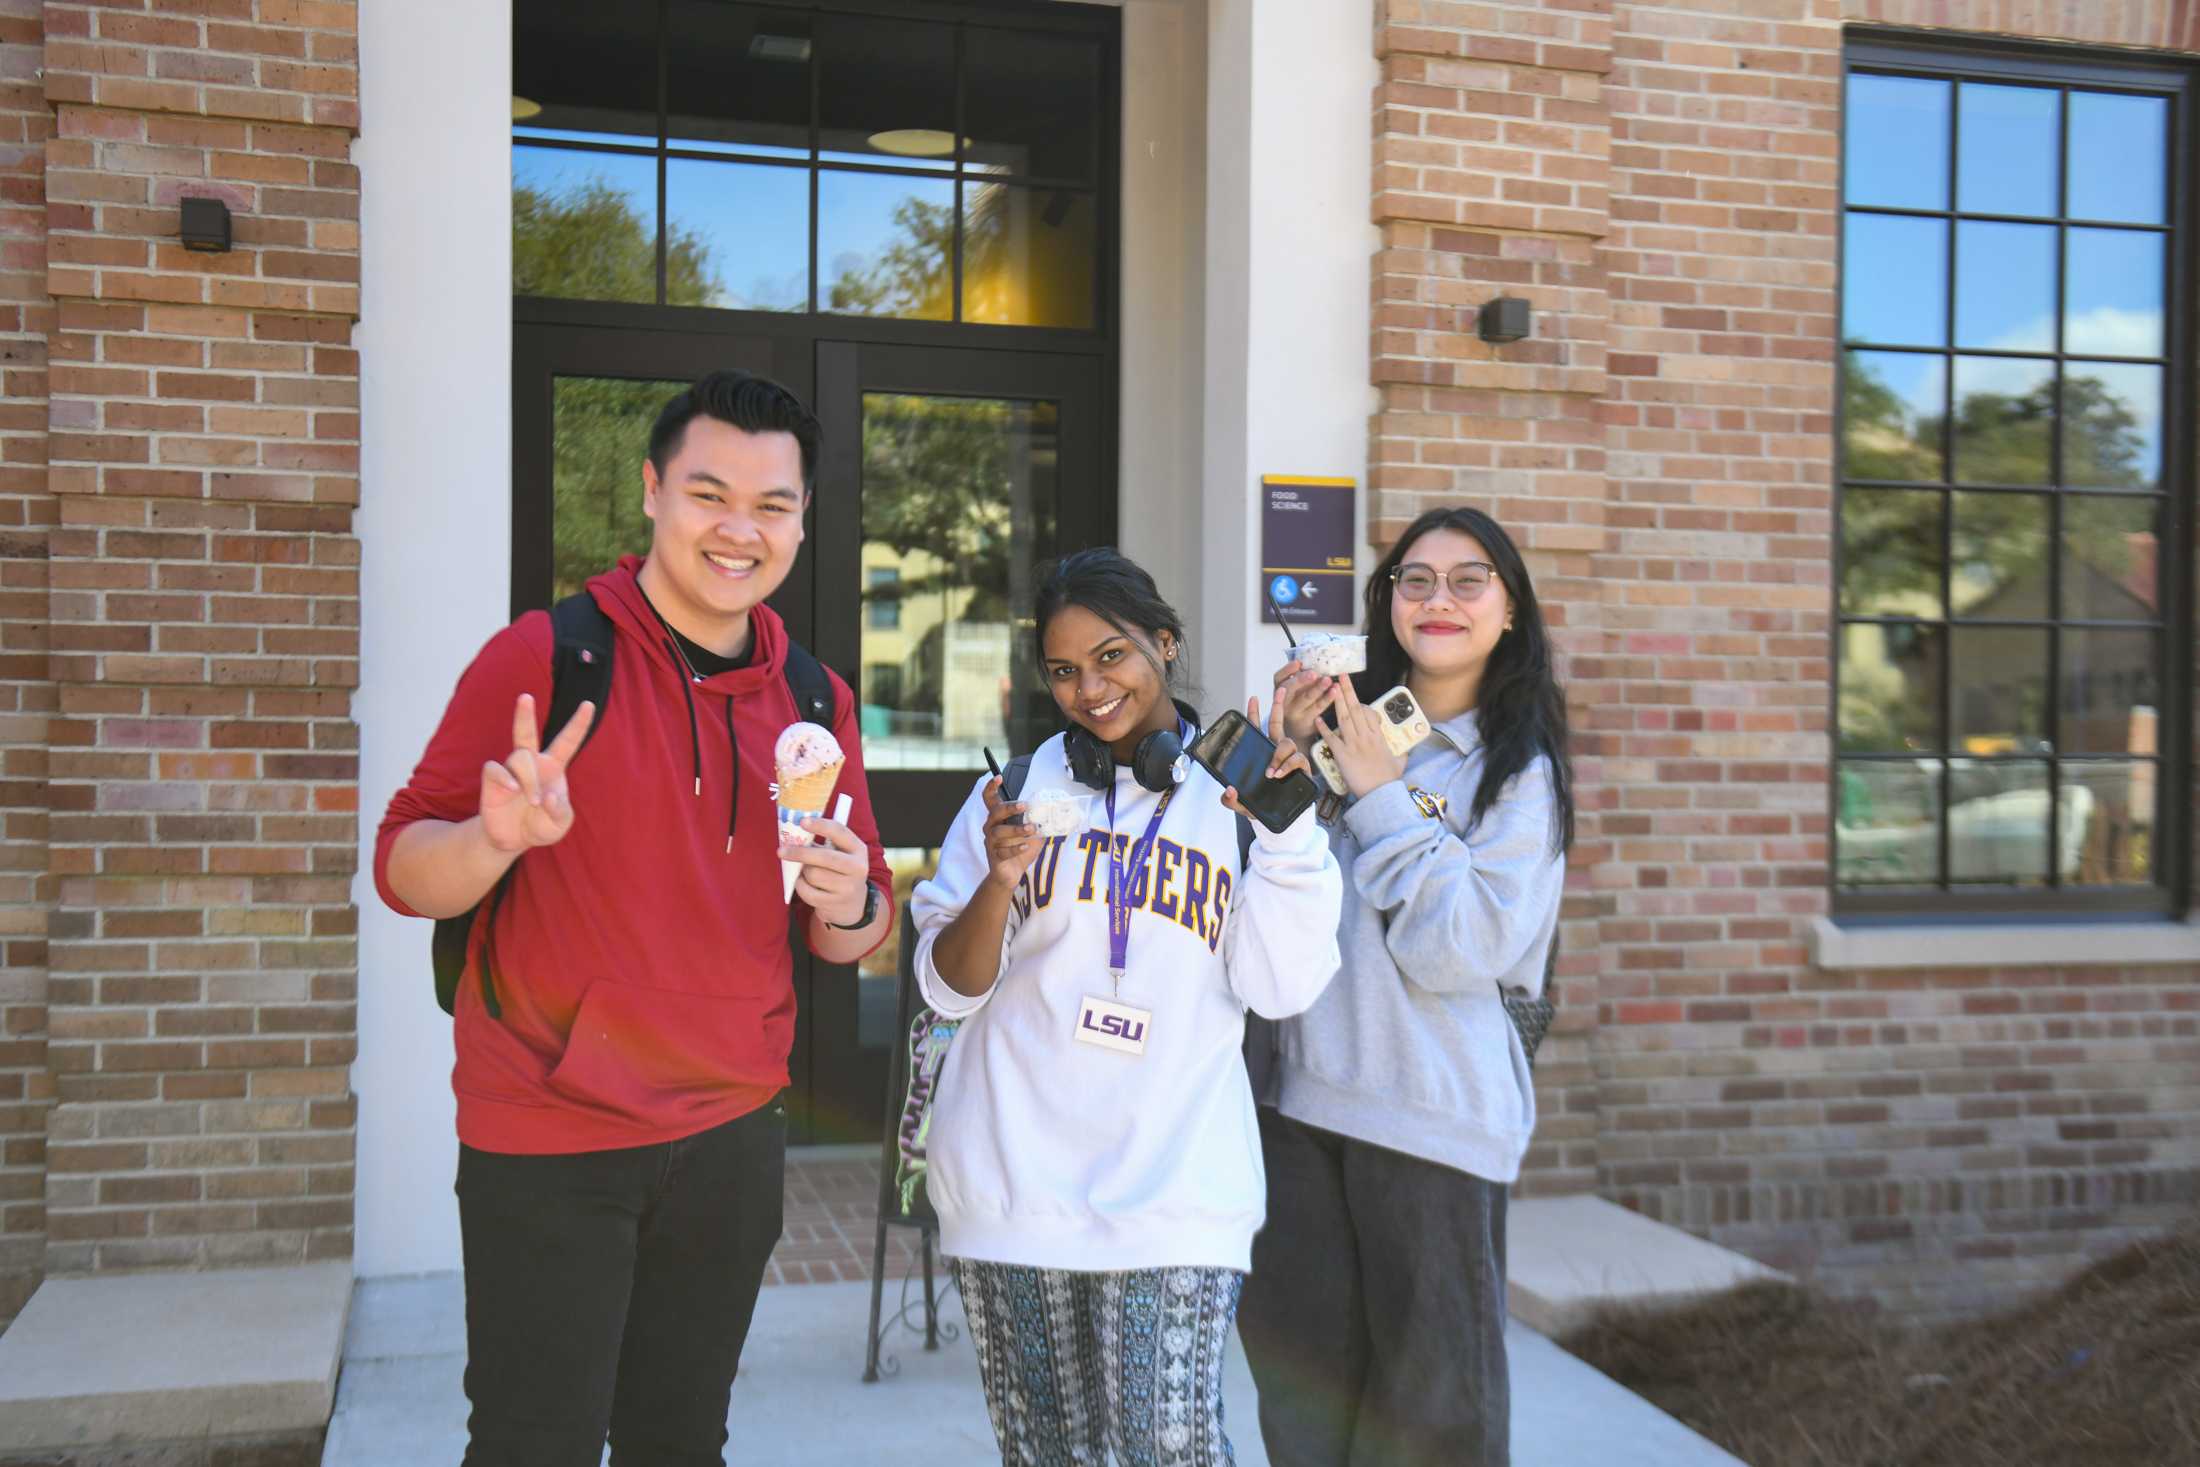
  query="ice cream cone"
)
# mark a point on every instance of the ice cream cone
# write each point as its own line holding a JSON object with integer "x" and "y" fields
{"x": 808, "y": 760}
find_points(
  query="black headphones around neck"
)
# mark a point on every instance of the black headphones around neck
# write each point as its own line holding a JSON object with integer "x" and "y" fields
{"x": 1157, "y": 763}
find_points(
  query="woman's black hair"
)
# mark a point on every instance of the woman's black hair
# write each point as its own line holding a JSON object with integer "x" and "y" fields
{"x": 1519, "y": 708}
{"x": 1115, "y": 588}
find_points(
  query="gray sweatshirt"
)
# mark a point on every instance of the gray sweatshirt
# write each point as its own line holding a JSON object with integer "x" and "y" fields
{"x": 1410, "y": 1047}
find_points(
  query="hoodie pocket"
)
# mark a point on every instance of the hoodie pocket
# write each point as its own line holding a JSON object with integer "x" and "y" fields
{"x": 655, "y": 1053}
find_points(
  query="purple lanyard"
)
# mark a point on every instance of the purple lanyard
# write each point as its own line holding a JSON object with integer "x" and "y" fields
{"x": 1119, "y": 882}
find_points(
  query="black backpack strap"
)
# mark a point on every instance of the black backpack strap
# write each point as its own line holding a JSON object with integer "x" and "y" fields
{"x": 1245, "y": 842}
{"x": 581, "y": 652}
{"x": 812, "y": 689}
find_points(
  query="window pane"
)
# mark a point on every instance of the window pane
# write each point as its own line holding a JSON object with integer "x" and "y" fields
{"x": 2000, "y": 553}
{"x": 1027, "y": 256}
{"x": 2004, "y": 410}
{"x": 1887, "y": 823}
{"x": 878, "y": 975}
{"x": 1890, "y": 552}
{"x": 1890, "y": 687}
{"x": 739, "y": 235}
{"x": 2112, "y": 305}
{"x": 2111, "y": 809}
{"x": 2108, "y": 690}
{"x": 584, "y": 71}
{"x": 885, "y": 245}
{"x": 2118, "y": 152}
{"x": 2008, "y": 144}
{"x": 1030, "y": 103}
{"x": 2111, "y": 562}
{"x": 599, "y": 435}
{"x": 886, "y": 91}
{"x": 959, "y": 505}
{"x": 1895, "y": 274}
{"x": 738, "y": 77}
{"x": 584, "y": 225}
{"x": 1891, "y": 406}
{"x": 2005, "y": 286}
{"x": 2112, "y": 425}
{"x": 2000, "y": 691}
{"x": 1897, "y": 142}
{"x": 1997, "y": 821}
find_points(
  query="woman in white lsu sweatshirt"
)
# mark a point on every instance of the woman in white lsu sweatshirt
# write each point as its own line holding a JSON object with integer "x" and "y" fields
{"x": 1098, "y": 1186}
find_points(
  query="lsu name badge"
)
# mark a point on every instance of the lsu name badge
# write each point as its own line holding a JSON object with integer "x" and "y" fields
{"x": 1112, "y": 1025}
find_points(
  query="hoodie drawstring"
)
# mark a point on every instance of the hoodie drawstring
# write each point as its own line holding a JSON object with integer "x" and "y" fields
{"x": 695, "y": 743}
{"x": 733, "y": 806}
{"x": 695, "y": 738}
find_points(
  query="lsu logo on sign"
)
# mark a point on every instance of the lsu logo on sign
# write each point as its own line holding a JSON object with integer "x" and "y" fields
{"x": 1112, "y": 1025}
{"x": 1433, "y": 806}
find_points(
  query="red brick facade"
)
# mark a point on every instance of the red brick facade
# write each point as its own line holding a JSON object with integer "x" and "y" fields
{"x": 1662, "y": 182}
{"x": 181, "y": 637}
{"x": 179, "y": 602}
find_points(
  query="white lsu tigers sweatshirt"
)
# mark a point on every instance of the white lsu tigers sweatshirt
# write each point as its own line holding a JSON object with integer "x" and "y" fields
{"x": 1054, "y": 1153}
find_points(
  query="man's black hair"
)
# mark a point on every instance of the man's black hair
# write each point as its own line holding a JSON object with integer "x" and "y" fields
{"x": 742, "y": 400}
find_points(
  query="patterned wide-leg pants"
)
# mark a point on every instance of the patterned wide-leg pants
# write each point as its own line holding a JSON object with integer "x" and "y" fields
{"x": 1078, "y": 1363}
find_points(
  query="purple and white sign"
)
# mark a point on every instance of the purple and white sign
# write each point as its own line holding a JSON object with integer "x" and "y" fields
{"x": 1306, "y": 529}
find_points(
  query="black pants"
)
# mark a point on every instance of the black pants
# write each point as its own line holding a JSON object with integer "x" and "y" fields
{"x": 1375, "y": 1316}
{"x": 610, "y": 1292}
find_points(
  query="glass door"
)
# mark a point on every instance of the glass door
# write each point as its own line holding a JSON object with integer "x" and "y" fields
{"x": 949, "y": 477}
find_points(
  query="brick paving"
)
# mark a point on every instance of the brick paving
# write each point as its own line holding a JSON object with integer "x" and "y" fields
{"x": 832, "y": 1210}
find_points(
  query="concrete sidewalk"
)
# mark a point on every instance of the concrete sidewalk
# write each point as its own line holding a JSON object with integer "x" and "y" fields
{"x": 800, "y": 1399}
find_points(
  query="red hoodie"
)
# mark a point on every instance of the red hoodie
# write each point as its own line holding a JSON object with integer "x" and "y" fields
{"x": 643, "y": 969}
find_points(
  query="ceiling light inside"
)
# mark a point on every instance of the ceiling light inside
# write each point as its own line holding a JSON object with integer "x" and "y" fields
{"x": 524, "y": 108}
{"x": 764, "y": 46}
{"x": 915, "y": 142}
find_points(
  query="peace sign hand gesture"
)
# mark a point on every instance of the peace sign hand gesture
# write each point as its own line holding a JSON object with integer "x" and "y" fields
{"x": 523, "y": 800}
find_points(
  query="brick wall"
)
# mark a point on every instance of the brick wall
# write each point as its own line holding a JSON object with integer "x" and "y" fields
{"x": 1661, "y": 181}
{"x": 203, "y": 434}
{"x": 26, "y": 694}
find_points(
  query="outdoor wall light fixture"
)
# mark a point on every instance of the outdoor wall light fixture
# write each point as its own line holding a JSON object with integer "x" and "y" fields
{"x": 524, "y": 108}
{"x": 1503, "y": 319}
{"x": 914, "y": 142}
{"x": 205, "y": 225}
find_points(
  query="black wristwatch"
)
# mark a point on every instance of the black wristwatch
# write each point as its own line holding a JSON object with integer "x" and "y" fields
{"x": 870, "y": 912}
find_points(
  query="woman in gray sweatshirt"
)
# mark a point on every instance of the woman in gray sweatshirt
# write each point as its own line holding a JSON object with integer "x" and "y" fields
{"x": 1395, "y": 1112}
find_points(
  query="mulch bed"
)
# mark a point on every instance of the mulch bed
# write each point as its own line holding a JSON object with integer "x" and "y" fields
{"x": 2103, "y": 1372}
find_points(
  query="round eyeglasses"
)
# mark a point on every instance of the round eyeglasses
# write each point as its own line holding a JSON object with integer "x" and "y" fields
{"x": 1468, "y": 579}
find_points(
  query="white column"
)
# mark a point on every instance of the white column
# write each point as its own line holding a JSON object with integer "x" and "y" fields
{"x": 435, "y": 341}
{"x": 1289, "y": 251}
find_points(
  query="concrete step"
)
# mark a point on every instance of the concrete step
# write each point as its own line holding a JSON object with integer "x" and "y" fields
{"x": 119, "y": 1364}
{"x": 1564, "y": 1256}
{"x": 800, "y": 1397}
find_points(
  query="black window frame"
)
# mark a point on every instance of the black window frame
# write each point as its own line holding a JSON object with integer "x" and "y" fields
{"x": 1104, "y": 189}
{"x": 1985, "y": 59}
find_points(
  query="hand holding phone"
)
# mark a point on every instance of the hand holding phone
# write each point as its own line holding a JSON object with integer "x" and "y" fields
{"x": 1239, "y": 756}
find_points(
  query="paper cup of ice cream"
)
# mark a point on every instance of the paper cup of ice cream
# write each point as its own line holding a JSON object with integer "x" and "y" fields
{"x": 1052, "y": 810}
{"x": 1332, "y": 654}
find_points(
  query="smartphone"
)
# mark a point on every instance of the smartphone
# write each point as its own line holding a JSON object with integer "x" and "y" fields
{"x": 1238, "y": 754}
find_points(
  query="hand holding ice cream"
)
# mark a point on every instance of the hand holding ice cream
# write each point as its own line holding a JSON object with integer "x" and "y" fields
{"x": 807, "y": 761}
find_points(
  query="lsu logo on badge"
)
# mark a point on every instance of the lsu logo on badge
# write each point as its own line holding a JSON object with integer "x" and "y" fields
{"x": 1435, "y": 807}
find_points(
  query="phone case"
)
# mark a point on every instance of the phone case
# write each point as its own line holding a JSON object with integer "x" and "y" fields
{"x": 1295, "y": 790}
{"x": 1403, "y": 729}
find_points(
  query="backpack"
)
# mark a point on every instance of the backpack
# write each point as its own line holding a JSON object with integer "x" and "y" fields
{"x": 582, "y": 648}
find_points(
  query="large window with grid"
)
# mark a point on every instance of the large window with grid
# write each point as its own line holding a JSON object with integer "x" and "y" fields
{"x": 2010, "y": 682}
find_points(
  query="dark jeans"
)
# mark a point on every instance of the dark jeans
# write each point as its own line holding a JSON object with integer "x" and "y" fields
{"x": 1375, "y": 1316}
{"x": 610, "y": 1292}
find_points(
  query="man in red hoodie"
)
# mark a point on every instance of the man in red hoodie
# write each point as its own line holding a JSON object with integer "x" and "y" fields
{"x": 621, "y": 1137}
